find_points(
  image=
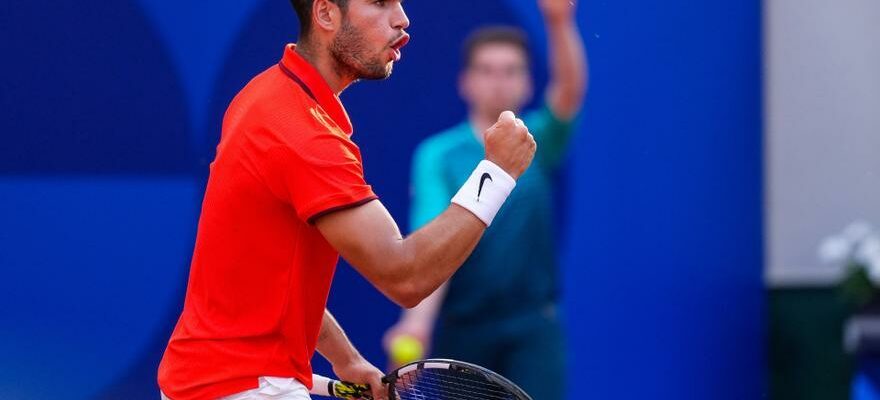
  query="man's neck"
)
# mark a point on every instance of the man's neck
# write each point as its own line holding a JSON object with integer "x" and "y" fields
{"x": 325, "y": 65}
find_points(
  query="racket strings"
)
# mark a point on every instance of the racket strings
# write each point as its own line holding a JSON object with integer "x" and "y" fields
{"x": 463, "y": 378}
{"x": 440, "y": 384}
{"x": 432, "y": 389}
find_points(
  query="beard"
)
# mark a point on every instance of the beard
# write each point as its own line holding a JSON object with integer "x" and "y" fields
{"x": 352, "y": 57}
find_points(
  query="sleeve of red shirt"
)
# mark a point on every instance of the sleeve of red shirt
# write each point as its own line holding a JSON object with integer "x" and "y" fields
{"x": 318, "y": 172}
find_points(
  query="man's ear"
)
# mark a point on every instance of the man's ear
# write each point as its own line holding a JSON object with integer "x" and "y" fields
{"x": 465, "y": 91}
{"x": 326, "y": 15}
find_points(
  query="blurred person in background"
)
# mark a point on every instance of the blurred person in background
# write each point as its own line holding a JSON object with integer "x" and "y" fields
{"x": 500, "y": 310}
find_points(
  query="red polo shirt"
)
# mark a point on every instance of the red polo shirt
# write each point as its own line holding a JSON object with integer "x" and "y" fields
{"x": 261, "y": 273}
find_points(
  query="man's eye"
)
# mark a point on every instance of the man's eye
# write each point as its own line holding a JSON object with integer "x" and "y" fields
{"x": 381, "y": 2}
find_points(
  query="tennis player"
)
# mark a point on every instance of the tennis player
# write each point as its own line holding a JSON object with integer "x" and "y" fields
{"x": 286, "y": 196}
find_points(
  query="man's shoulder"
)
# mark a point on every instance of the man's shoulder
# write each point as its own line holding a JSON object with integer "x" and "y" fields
{"x": 544, "y": 118}
{"x": 274, "y": 102}
{"x": 538, "y": 116}
{"x": 448, "y": 140}
{"x": 270, "y": 86}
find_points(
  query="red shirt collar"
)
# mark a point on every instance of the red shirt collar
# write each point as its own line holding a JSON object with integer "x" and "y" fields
{"x": 298, "y": 69}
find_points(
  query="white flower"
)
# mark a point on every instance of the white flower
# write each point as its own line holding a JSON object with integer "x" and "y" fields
{"x": 835, "y": 250}
{"x": 868, "y": 250}
{"x": 857, "y": 231}
{"x": 872, "y": 265}
{"x": 874, "y": 272}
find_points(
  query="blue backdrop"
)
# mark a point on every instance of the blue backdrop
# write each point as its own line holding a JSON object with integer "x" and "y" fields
{"x": 110, "y": 112}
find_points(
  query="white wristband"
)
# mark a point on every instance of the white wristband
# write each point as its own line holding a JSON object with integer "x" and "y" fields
{"x": 485, "y": 191}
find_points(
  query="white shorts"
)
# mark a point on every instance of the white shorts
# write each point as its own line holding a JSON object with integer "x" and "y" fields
{"x": 271, "y": 387}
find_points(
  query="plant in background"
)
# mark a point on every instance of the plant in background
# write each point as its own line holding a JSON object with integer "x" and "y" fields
{"x": 857, "y": 250}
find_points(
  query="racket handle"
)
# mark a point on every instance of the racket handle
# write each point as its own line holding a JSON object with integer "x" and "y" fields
{"x": 323, "y": 386}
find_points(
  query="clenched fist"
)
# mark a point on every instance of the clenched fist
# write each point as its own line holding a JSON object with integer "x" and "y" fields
{"x": 557, "y": 10}
{"x": 510, "y": 145}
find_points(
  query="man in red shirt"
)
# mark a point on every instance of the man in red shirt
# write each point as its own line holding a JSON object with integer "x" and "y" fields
{"x": 286, "y": 196}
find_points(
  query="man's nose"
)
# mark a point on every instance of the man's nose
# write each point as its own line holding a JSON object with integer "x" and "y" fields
{"x": 400, "y": 21}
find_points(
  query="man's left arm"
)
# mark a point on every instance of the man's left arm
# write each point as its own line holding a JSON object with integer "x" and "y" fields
{"x": 347, "y": 362}
{"x": 553, "y": 124}
{"x": 567, "y": 59}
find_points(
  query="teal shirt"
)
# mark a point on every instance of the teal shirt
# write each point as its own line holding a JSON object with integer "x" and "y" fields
{"x": 514, "y": 267}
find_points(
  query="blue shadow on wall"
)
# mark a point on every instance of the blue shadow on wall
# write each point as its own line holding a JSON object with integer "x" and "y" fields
{"x": 96, "y": 205}
{"x": 89, "y": 89}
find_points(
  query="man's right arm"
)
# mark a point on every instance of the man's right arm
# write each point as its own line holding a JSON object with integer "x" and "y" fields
{"x": 405, "y": 269}
{"x": 409, "y": 269}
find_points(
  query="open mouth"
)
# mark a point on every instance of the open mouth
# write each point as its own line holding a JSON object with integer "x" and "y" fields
{"x": 398, "y": 44}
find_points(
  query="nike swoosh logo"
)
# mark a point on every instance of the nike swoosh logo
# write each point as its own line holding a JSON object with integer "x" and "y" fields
{"x": 482, "y": 181}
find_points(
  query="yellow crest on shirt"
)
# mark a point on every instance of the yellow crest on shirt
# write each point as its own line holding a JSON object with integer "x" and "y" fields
{"x": 324, "y": 119}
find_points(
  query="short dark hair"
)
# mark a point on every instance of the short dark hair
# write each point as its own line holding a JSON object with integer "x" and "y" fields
{"x": 303, "y": 10}
{"x": 494, "y": 35}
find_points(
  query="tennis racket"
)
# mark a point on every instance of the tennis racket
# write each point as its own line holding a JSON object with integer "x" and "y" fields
{"x": 433, "y": 379}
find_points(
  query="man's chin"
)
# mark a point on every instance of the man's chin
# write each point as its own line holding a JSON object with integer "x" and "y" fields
{"x": 379, "y": 75}
{"x": 498, "y": 109}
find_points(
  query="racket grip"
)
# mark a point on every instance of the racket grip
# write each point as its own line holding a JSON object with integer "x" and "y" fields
{"x": 323, "y": 386}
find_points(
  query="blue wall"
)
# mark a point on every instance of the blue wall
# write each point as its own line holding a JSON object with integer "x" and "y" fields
{"x": 664, "y": 251}
{"x": 110, "y": 111}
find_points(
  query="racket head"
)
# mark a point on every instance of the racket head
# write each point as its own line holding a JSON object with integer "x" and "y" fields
{"x": 442, "y": 379}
